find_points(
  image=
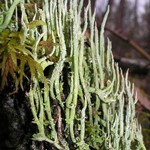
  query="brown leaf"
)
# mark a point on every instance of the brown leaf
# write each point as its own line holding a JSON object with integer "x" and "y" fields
{"x": 142, "y": 99}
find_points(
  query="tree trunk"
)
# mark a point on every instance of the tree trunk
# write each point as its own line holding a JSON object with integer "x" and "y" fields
{"x": 120, "y": 14}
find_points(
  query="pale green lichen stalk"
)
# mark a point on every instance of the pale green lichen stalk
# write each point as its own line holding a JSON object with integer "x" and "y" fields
{"x": 9, "y": 14}
{"x": 85, "y": 101}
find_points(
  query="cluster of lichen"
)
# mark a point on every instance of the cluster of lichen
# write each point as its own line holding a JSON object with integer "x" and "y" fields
{"x": 84, "y": 101}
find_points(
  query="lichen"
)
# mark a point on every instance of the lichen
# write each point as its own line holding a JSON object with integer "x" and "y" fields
{"x": 85, "y": 101}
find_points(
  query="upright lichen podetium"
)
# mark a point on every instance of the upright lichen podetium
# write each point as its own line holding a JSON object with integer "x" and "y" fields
{"x": 82, "y": 99}
{"x": 9, "y": 14}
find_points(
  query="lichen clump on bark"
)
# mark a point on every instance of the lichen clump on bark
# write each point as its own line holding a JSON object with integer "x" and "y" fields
{"x": 79, "y": 97}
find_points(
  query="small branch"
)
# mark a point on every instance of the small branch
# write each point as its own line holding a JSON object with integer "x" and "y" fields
{"x": 138, "y": 65}
{"x": 130, "y": 42}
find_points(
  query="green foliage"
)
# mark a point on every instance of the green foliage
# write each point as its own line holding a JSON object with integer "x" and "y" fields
{"x": 85, "y": 100}
{"x": 93, "y": 136}
{"x": 35, "y": 23}
{"x": 15, "y": 54}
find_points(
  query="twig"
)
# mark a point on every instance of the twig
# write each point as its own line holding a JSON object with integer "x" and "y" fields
{"x": 137, "y": 64}
{"x": 130, "y": 42}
